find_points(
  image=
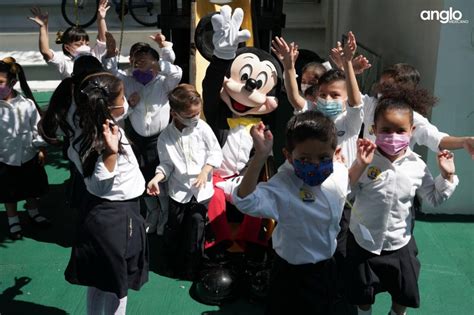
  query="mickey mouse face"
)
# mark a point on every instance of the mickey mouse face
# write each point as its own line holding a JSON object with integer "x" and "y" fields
{"x": 251, "y": 79}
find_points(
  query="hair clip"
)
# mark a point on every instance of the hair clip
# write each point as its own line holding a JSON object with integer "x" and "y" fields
{"x": 93, "y": 85}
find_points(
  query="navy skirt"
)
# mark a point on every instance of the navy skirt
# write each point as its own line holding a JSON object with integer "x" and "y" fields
{"x": 111, "y": 250}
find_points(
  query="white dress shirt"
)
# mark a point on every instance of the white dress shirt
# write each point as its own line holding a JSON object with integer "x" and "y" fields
{"x": 307, "y": 230}
{"x": 152, "y": 113}
{"x": 348, "y": 125}
{"x": 425, "y": 133}
{"x": 236, "y": 151}
{"x": 183, "y": 154}
{"x": 381, "y": 218}
{"x": 125, "y": 182}
{"x": 19, "y": 138}
{"x": 65, "y": 64}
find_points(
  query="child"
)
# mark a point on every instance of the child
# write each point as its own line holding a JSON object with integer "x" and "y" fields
{"x": 111, "y": 253}
{"x": 74, "y": 40}
{"x": 22, "y": 152}
{"x": 306, "y": 198}
{"x": 310, "y": 74}
{"x": 381, "y": 250}
{"x": 188, "y": 151}
{"x": 147, "y": 88}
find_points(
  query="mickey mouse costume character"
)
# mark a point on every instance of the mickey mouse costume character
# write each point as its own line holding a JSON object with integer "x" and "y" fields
{"x": 238, "y": 89}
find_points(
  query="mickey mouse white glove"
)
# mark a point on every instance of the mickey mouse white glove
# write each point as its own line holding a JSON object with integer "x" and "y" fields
{"x": 227, "y": 36}
{"x": 228, "y": 186}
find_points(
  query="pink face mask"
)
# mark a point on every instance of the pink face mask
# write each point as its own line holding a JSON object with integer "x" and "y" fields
{"x": 392, "y": 143}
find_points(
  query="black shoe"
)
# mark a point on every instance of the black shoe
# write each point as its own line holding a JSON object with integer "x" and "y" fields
{"x": 40, "y": 221}
{"x": 17, "y": 235}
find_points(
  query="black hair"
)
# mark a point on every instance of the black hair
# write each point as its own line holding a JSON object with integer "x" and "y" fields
{"x": 404, "y": 75}
{"x": 15, "y": 71}
{"x": 93, "y": 96}
{"x": 147, "y": 50}
{"x": 420, "y": 100}
{"x": 312, "y": 90}
{"x": 56, "y": 115}
{"x": 310, "y": 125}
{"x": 397, "y": 100}
{"x": 137, "y": 46}
{"x": 70, "y": 35}
{"x": 315, "y": 67}
{"x": 332, "y": 76}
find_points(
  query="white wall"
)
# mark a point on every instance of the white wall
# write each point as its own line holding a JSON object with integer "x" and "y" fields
{"x": 454, "y": 85}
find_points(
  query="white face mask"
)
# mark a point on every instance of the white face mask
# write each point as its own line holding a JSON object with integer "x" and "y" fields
{"x": 188, "y": 122}
{"x": 125, "y": 110}
{"x": 304, "y": 87}
{"x": 82, "y": 50}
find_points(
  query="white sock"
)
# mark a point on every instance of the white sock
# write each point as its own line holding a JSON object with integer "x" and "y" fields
{"x": 13, "y": 220}
{"x": 392, "y": 312}
{"x": 33, "y": 213}
{"x": 95, "y": 301}
{"x": 361, "y": 312}
{"x": 113, "y": 305}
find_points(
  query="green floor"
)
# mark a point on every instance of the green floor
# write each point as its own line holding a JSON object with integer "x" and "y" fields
{"x": 32, "y": 282}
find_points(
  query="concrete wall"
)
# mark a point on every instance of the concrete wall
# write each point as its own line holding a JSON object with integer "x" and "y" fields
{"x": 454, "y": 85}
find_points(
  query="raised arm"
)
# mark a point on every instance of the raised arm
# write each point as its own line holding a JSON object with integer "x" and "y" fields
{"x": 347, "y": 53}
{"x": 41, "y": 19}
{"x": 365, "y": 155}
{"x": 454, "y": 143}
{"x": 165, "y": 48}
{"x": 288, "y": 55}
{"x": 101, "y": 24}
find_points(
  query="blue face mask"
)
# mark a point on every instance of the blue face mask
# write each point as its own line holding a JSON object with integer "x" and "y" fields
{"x": 329, "y": 108}
{"x": 313, "y": 174}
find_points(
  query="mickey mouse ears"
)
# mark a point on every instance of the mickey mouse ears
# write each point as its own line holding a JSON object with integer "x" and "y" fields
{"x": 203, "y": 36}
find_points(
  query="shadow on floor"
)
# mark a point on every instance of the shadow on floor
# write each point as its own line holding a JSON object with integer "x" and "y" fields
{"x": 10, "y": 306}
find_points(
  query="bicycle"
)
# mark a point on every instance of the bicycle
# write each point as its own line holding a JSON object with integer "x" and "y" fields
{"x": 83, "y": 13}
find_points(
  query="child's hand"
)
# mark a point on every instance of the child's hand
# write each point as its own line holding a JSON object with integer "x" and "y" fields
{"x": 336, "y": 56}
{"x": 262, "y": 140}
{"x": 446, "y": 164}
{"x": 159, "y": 38}
{"x": 102, "y": 9}
{"x": 153, "y": 189}
{"x": 360, "y": 64}
{"x": 350, "y": 47}
{"x": 39, "y": 17}
{"x": 365, "y": 151}
{"x": 134, "y": 99}
{"x": 286, "y": 53}
{"x": 469, "y": 146}
{"x": 42, "y": 156}
{"x": 111, "y": 137}
{"x": 201, "y": 180}
{"x": 111, "y": 45}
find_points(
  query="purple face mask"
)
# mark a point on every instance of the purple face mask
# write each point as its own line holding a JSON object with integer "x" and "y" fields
{"x": 5, "y": 90}
{"x": 392, "y": 143}
{"x": 144, "y": 77}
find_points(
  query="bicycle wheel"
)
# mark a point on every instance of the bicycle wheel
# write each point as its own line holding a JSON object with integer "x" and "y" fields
{"x": 145, "y": 12}
{"x": 81, "y": 13}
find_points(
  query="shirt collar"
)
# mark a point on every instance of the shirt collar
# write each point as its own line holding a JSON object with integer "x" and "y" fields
{"x": 409, "y": 155}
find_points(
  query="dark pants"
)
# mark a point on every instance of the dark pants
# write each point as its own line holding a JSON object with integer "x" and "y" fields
{"x": 302, "y": 289}
{"x": 184, "y": 237}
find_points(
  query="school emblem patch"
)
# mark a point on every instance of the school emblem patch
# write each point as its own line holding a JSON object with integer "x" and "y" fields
{"x": 373, "y": 172}
{"x": 340, "y": 133}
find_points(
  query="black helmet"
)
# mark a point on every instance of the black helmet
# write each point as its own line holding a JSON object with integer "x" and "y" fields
{"x": 216, "y": 285}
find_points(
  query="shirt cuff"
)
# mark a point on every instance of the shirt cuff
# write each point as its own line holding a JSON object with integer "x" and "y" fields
{"x": 444, "y": 186}
{"x": 160, "y": 169}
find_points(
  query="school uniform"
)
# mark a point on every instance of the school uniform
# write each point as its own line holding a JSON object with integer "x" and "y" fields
{"x": 21, "y": 176}
{"x": 381, "y": 252}
{"x": 65, "y": 64}
{"x": 425, "y": 133}
{"x": 183, "y": 154}
{"x": 304, "y": 274}
{"x": 111, "y": 250}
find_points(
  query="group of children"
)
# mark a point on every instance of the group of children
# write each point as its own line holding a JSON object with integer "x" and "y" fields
{"x": 138, "y": 134}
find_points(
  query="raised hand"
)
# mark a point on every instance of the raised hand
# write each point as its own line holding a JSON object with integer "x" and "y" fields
{"x": 286, "y": 53}
{"x": 469, "y": 146}
{"x": 102, "y": 9}
{"x": 40, "y": 18}
{"x": 336, "y": 56}
{"x": 262, "y": 139}
{"x": 111, "y": 45}
{"x": 360, "y": 64}
{"x": 158, "y": 38}
{"x": 110, "y": 132}
{"x": 446, "y": 164}
{"x": 350, "y": 47}
{"x": 227, "y": 35}
{"x": 365, "y": 151}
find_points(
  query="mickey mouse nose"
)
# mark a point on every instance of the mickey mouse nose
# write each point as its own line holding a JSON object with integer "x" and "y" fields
{"x": 250, "y": 84}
